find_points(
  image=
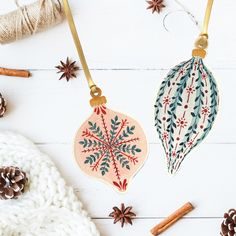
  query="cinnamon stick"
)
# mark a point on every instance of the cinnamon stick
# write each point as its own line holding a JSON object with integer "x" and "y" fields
{"x": 13, "y": 72}
{"x": 173, "y": 218}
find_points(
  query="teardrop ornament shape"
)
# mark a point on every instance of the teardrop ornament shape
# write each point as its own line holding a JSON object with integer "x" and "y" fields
{"x": 111, "y": 146}
{"x": 185, "y": 109}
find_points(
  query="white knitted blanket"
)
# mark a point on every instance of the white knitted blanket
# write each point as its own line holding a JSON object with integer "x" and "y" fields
{"x": 48, "y": 207}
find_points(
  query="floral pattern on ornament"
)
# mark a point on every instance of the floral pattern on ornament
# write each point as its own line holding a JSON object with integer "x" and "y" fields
{"x": 187, "y": 118}
{"x": 111, "y": 147}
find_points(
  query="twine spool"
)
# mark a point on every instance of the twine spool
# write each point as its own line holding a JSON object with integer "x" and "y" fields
{"x": 30, "y": 19}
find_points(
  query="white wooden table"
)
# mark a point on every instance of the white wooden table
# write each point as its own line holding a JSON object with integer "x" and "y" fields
{"x": 129, "y": 52}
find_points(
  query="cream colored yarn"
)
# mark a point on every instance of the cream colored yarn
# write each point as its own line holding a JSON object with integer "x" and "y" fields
{"x": 30, "y": 19}
{"x": 48, "y": 207}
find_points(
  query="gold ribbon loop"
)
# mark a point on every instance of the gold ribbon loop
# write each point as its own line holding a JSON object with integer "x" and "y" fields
{"x": 94, "y": 90}
{"x": 202, "y": 41}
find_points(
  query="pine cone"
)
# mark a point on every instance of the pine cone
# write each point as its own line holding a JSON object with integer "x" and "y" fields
{"x": 3, "y": 106}
{"x": 228, "y": 226}
{"x": 12, "y": 182}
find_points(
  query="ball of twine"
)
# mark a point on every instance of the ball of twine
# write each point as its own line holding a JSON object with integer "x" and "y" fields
{"x": 30, "y": 19}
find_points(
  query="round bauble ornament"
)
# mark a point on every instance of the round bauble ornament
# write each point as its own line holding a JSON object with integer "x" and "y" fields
{"x": 110, "y": 146}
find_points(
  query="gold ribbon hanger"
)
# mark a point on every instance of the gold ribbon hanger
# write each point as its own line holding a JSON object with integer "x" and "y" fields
{"x": 202, "y": 42}
{"x": 95, "y": 91}
{"x": 207, "y": 17}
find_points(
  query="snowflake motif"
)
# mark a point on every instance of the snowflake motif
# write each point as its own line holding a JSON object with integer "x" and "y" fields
{"x": 181, "y": 122}
{"x": 205, "y": 111}
{"x": 166, "y": 100}
{"x": 204, "y": 76}
{"x": 190, "y": 90}
{"x": 110, "y": 147}
{"x": 165, "y": 136}
{"x": 182, "y": 71}
{"x": 190, "y": 143}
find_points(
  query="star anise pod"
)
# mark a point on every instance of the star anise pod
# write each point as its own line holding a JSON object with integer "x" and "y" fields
{"x": 124, "y": 215}
{"x": 68, "y": 69}
{"x": 155, "y": 5}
